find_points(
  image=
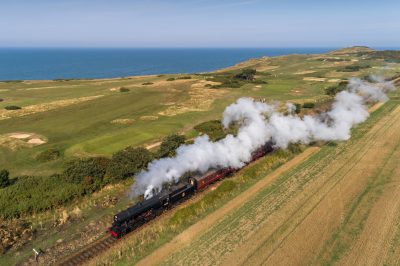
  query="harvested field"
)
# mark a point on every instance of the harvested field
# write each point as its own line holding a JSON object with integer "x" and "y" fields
{"x": 339, "y": 206}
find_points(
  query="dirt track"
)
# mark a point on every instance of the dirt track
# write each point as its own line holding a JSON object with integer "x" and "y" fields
{"x": 341, "y": 205}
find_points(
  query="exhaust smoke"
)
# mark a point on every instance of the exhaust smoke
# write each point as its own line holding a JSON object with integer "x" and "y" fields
{"x": 260, "y": 123}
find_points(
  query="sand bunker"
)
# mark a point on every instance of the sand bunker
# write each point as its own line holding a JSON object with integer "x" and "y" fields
{"x": 43, "y": 107}
{"x": 20, "y": 135}
{"x": 314, "y": 79}
{"x": 305, "y": 72}
{"x": 256, "y": 88}
{"x": 123, "y": 121}
{"x": 149, "y": 117}
{"x": 18, "y": 140}
{"x": 334, "y": 80}
{"x": 36, "y": 141}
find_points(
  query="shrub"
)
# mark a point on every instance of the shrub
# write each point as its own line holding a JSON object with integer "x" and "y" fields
{"x": 169, "y": 145}
{"x": 128, "y": 162}
{"x": 48, "y": 155}
{"x": 170, "y": 79}
{"x": 309, "y": 105}
{"x": 353, "y": 68}
{"x": 123, "y": 89}
{"x": 4, "y": 178}
{"x": 246, "y": 74}
{"x": 1, "y": 100}
{"x": 184, "y": 77}
{"x": 148, "y": 83}
{"x": 80, "y": 170}
{"x": 298, "y": 108}
{"x": 32, "y": 194}
{"x": 333, "y": 90}
{"x": 259, "y": 81}
{"x": 12, "y": 107}
{"x": 213, "y": 129}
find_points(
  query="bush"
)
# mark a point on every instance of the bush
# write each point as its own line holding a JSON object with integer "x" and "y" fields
{"x": 298, "y": 108}
{"x": 353, "y": 68}
{"x": 169, "y": 145}
{"x": 246, "y": 74}
{"x": 48, "y": 155}
{"x": 333, "y": 90}
{"x": 123, "y": 89}
{"x": 12, "y": 107}
{"x": 184, "y": 77}
{"x": 128, "y": 162}
{"x": 170, "y": 79}
{"x": 309, "y": 105}
{"x": 79, "y": 171}
{"x": 259, "y": 81}
{"x": 4, "y": 178}
{"x": 213, "y": 129}
{"x": 1, "y": 100}
{"x": 32, "y": 194}
{"x": 148, "y": 83}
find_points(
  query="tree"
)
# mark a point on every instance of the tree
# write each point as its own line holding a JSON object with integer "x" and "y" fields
{"x": 79, "y": 171}
{"x": 333, "y": 90}
{"x": 128, "y": 162}
{"x": 170, "y": 144}
{"x": 298, "y": 108}
{"x": 246, "y": 74}
{"x": 4, "y": 178}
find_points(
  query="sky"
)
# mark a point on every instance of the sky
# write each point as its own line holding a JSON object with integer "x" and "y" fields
{"x": 199, "y": 23}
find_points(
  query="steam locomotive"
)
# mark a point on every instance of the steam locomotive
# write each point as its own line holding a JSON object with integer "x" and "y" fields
{"x": 146, "y": 210}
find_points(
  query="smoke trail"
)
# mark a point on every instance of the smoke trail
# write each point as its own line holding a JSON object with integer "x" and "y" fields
{"x": 259, "y": 123}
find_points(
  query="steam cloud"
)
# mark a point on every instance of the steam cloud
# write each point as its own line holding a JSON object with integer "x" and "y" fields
{"x": 260, "y": 123}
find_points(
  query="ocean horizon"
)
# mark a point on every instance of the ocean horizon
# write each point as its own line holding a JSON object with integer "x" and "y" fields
{"x": 90, "y": 63}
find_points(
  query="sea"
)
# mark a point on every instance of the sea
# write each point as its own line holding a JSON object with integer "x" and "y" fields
{"x": 80, "y": 63}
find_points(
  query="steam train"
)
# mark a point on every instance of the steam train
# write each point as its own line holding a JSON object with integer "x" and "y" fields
{"x": 146, "y": 210}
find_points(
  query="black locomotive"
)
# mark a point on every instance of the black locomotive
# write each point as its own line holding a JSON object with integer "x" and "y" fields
{"x": 146, "y": 210}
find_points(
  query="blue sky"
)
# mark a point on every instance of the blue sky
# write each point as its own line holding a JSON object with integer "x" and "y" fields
{"x": 199, "y": 23}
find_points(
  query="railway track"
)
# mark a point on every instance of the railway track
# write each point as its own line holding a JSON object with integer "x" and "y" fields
{"x": 89, "y": 252}
{"x": 92, "y": 250}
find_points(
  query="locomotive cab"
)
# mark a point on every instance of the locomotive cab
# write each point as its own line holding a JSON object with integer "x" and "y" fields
{"x": 193, "y": 181}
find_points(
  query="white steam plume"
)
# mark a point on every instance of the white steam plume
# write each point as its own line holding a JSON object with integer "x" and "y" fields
{"x": 260, "y": 123}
